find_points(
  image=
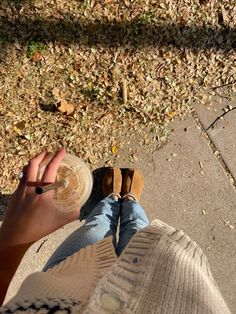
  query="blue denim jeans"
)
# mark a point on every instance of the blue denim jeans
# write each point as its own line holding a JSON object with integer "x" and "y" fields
{"x": 102, "y": 222}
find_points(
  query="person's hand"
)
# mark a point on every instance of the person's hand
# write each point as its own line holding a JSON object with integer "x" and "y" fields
{"x": 30, "y": 216}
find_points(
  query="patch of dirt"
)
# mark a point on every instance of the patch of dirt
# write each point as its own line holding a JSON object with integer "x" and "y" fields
{"x": 119, "y": 68}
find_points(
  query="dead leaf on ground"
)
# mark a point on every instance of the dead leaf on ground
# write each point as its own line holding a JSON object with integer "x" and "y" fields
{"x": 65, "y": 107}
{"x": 163, "y": 76}
{"x": 17, "y": 130}
{"x": 58, "y": 94}
{"x": 124, "y": 91}
{"x": 171, "y": 114}
{"x": 114, "y": 150}
{"x": 21, "y": 125}
{"x": 224, "y": 15}
{"x": 37, "y": 56}
{"x": 227, "y": 223}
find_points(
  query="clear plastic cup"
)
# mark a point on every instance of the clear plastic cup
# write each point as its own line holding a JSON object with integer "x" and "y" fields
{"x": 79, "y": 183}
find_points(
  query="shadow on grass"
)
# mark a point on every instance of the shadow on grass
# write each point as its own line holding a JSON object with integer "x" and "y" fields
{"x": 19, "y": 2}
{"x": 134, "y": 34}
{"x": 48, "y": 107}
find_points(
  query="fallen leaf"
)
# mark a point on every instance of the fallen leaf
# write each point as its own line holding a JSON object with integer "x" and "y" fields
{"x": 92, "y": 3}
{"x": 58, "y": 94}
{"x": 227, "y": 223}
{"x": 65, "y": 107}
{"x": 124, "y": 91}
{"x": 17, "y": 130}
{"x": 28, "y": 137}
{"x": 114, "y": 150}
{"x": 8, "y": 128}
{"x": 21, "y": 125}
{"x": 224, "y": 15}
{"x": 37, "y": 56}
{"x": 171, "y": 114}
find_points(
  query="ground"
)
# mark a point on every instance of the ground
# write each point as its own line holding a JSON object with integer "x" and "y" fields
{"x": 187, "y": 186}
{"x": 88, "y": 74}
{"x": 106, "y": 79}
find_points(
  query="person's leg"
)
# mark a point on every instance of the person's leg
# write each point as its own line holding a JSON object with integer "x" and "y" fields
{"x": 132, "y": 215}
{"x": 101, "y": 223}
{"x": 132, "y": 218}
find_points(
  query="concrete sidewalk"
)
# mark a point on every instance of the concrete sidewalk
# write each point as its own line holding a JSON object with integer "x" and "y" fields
{"x": 187, "y": 187}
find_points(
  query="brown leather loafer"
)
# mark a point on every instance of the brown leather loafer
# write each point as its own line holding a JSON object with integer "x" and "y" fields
{"x": 132, "y": 186}
{"x": 112, "y": 182}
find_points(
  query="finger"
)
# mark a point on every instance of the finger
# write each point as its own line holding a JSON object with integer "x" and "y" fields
{"x": 50, "y": 172}
{"x": 48, "y": 157}
{"x": 33, "y": 167}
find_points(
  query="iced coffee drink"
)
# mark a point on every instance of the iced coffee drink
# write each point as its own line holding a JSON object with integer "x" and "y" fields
{"x": 78, "y": 183}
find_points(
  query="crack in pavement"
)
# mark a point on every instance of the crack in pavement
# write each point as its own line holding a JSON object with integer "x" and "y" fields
{"x": 213, "y": 147}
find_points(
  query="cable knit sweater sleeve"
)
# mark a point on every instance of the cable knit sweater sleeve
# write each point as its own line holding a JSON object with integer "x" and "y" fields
{"x": 161, "y": 271}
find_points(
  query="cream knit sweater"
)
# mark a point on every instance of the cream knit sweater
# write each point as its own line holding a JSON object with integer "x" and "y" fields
{"x": 160, "y": 271}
